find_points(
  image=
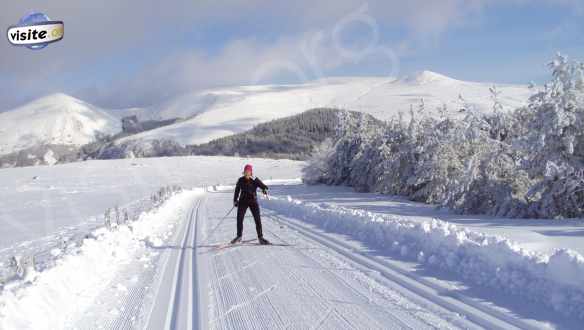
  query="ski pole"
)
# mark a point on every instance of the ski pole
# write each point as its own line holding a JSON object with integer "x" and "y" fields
{"x": 220, "y": 221}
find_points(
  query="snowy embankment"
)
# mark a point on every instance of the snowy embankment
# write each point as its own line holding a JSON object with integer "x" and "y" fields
{"x": 56, "y": 297}
{"x": 554, "y": 280}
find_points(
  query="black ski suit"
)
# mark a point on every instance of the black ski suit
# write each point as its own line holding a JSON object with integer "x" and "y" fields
{"x": 248, "y": 198}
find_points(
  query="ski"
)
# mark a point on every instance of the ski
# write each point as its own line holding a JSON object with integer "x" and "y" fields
{"x": 222, "y": 246}
{"x": 242, "y": 242}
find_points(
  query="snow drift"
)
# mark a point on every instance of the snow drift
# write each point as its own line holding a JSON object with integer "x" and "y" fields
{"x": 555, "y": 280}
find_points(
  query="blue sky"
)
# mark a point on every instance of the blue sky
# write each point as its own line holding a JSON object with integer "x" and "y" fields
{"x": 139, "y": 53}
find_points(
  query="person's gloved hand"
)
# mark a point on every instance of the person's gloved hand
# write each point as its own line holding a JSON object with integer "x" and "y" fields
{"x": 235, "y": 203}
{"x": 265, "y": 191}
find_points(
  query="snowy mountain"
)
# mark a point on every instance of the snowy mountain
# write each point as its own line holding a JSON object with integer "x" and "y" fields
{"x": 427, "y": 77}
{"x": 54, "y": 119}
{"x": 220, "y": 112}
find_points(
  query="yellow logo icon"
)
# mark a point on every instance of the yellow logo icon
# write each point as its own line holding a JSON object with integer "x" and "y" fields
{"x": 57, "y": 32}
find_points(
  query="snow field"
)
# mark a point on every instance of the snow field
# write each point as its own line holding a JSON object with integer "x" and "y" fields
{"x": 554, "y": 280}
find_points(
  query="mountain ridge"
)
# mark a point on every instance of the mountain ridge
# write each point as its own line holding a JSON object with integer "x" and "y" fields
{"x": 217, "y": 112}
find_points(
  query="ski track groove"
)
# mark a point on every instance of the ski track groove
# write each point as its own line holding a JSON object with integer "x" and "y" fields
{"x": 183, "y": 301}
{"x": 194, "y": 312}
{"x": 174, "y": 308}
{"x": 159, "y": 275}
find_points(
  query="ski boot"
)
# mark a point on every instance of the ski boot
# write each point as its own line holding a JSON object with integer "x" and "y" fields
{"x": 237, "y": 239}
{"x": 263, "y": 241}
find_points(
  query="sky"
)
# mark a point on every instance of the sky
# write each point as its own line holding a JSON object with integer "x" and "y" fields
{"x": 120, "y": 54}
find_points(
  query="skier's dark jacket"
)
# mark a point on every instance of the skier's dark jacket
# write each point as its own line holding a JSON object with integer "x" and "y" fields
{"x": 248, "y": 188}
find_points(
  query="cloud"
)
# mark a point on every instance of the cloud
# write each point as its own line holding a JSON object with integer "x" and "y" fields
{"x": 239, "y": 62}
{"x": 258, "y": 39}
{"x": 292, "y": 59}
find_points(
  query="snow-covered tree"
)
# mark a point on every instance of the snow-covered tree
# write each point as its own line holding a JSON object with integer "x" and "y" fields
{"x": 527, "y": 162}
{"x": 554, "y": 142}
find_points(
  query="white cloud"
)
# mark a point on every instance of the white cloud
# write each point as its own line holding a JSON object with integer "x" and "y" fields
{"x": 284, "y": 30}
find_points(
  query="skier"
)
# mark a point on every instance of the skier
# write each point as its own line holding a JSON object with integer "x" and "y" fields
{"x": 248, "y": 185}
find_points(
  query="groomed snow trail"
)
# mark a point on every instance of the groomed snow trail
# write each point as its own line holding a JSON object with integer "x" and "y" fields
{"x": 304, "y": 281}
{"x": 300, "y": 284}
{"x": 173, "y": 269}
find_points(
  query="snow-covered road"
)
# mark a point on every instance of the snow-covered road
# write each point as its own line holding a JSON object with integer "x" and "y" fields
{"x": 304, "y": 281}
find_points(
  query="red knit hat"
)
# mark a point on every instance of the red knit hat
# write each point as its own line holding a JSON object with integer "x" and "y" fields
{"x": 248, "y": 167}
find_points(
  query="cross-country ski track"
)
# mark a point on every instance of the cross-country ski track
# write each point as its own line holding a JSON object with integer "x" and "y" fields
{"x": 306, "y": 280}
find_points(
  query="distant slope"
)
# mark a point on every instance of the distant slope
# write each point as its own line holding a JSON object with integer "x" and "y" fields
{"x": 386, "y": 99}
{"x": 225, "y": 111}
{"x": 294, "y": 137}
{"x": 206, "y": 115}
{"x": 56, "y": 119}
{"x": 235, "y": 110}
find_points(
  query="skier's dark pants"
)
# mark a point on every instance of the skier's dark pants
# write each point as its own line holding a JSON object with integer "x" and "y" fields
{"x": 255, "y": 210}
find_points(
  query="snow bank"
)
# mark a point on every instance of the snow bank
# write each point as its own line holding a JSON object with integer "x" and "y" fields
{"x": 54, "y": 298}
{"x": 555, "y": 280}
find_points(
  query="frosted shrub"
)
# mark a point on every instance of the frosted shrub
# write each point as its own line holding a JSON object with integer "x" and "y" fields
{"x": 528, "y": 162}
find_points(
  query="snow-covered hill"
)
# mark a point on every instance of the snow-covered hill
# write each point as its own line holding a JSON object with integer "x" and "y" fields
{"x": 214, "y": 113}
{"x": 224, "y": 111}
{"x": 53, "y": 119}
